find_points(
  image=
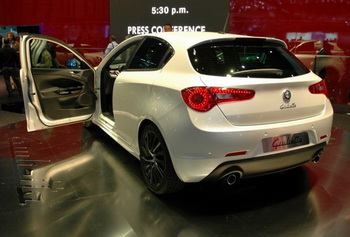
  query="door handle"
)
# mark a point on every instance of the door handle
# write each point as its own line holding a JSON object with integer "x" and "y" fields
{"x": 74, "y": 74}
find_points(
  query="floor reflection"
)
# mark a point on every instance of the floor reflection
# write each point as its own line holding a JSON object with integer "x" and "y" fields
{"x": 70, "y": 181}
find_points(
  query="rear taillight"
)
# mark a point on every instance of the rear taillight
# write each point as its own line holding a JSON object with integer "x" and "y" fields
{"x": 204, "y": 98}
{"x": 319, "y": 88}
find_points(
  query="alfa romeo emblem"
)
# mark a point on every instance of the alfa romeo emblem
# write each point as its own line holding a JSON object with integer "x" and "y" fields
{"x": 287, "y": 94}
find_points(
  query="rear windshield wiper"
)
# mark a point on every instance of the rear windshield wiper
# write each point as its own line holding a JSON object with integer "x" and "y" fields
{"x": 262, "y": 72}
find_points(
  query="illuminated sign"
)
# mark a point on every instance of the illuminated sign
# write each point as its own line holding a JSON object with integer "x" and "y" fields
{"x": 135, "y": 17}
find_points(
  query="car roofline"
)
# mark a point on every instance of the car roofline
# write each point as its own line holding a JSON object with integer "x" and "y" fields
{"x": 194, "y": 38}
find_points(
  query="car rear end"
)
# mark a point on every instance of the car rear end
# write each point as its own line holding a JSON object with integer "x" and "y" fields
{"x": 257, "y": 110}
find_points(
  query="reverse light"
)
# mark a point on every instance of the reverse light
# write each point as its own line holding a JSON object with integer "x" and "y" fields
{"x": 319, "y": 88}
{"x": 204, "y": 98}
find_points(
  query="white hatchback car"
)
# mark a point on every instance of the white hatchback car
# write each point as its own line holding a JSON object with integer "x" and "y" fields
{"x": 191, "y": 106}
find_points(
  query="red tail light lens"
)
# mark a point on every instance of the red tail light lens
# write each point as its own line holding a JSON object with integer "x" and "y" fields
{"x": 319, "y": 88}
{"x": 204, "y": 98}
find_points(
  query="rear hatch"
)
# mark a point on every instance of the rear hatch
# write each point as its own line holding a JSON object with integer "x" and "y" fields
{"x": 274, "y": 100}
{"x": 279, "y": 81}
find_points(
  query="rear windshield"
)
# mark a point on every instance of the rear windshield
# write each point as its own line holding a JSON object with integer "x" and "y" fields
{"x": 239, "y": 58}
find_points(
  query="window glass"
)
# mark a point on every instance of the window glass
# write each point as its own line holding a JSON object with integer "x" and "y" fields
{"x": 121, "y": 57}
{"x": 46, "y": 54}
{"x": 150, "y": 55}
{"x": 245, "y": 59}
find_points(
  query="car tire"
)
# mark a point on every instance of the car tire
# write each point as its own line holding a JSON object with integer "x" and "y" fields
{"x": 156, "y": 165}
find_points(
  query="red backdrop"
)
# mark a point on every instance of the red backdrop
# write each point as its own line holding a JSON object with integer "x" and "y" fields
{"x": 77, "y": 21}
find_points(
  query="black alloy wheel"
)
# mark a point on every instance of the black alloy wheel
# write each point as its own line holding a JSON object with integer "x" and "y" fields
{"x": 156, "y": 165}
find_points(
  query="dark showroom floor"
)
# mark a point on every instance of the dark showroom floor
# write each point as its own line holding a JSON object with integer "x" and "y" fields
{"x": 70, "y": 181}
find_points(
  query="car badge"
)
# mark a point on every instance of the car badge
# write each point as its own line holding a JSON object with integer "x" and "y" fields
{"x": 287, "y": 95}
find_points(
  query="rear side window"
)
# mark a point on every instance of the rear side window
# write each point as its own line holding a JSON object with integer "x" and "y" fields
{"x": 260, "y": 59}
{"x": 152, "y": 55}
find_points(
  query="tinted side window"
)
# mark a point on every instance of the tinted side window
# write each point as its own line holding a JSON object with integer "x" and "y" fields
{"x": 122, "y": 57}
{"x": 150, "y": 55}
{"x": 245, "y": 60}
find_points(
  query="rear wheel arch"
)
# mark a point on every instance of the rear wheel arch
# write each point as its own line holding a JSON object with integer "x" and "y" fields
{"x": 156, "y": 164}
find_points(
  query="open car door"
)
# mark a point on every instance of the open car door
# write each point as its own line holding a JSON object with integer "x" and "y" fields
{"x": 58, "y": 83}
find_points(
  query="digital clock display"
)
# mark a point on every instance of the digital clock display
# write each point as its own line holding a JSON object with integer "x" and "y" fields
{"x": 134, "y": 17}
{"x": 169, "y": 10}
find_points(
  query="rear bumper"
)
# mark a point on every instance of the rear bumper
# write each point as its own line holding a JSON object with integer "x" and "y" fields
{"x": 267, "y": 164}
{"x": 206, "y": 145}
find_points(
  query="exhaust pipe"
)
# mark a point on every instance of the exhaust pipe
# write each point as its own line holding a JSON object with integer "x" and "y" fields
{"x": 232, "y": 178}
{"x": 317, "y": 155}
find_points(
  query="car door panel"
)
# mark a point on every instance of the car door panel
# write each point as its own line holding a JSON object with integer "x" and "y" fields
{"x": 59, "y": 94}
{"x": 63, "y": 93}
